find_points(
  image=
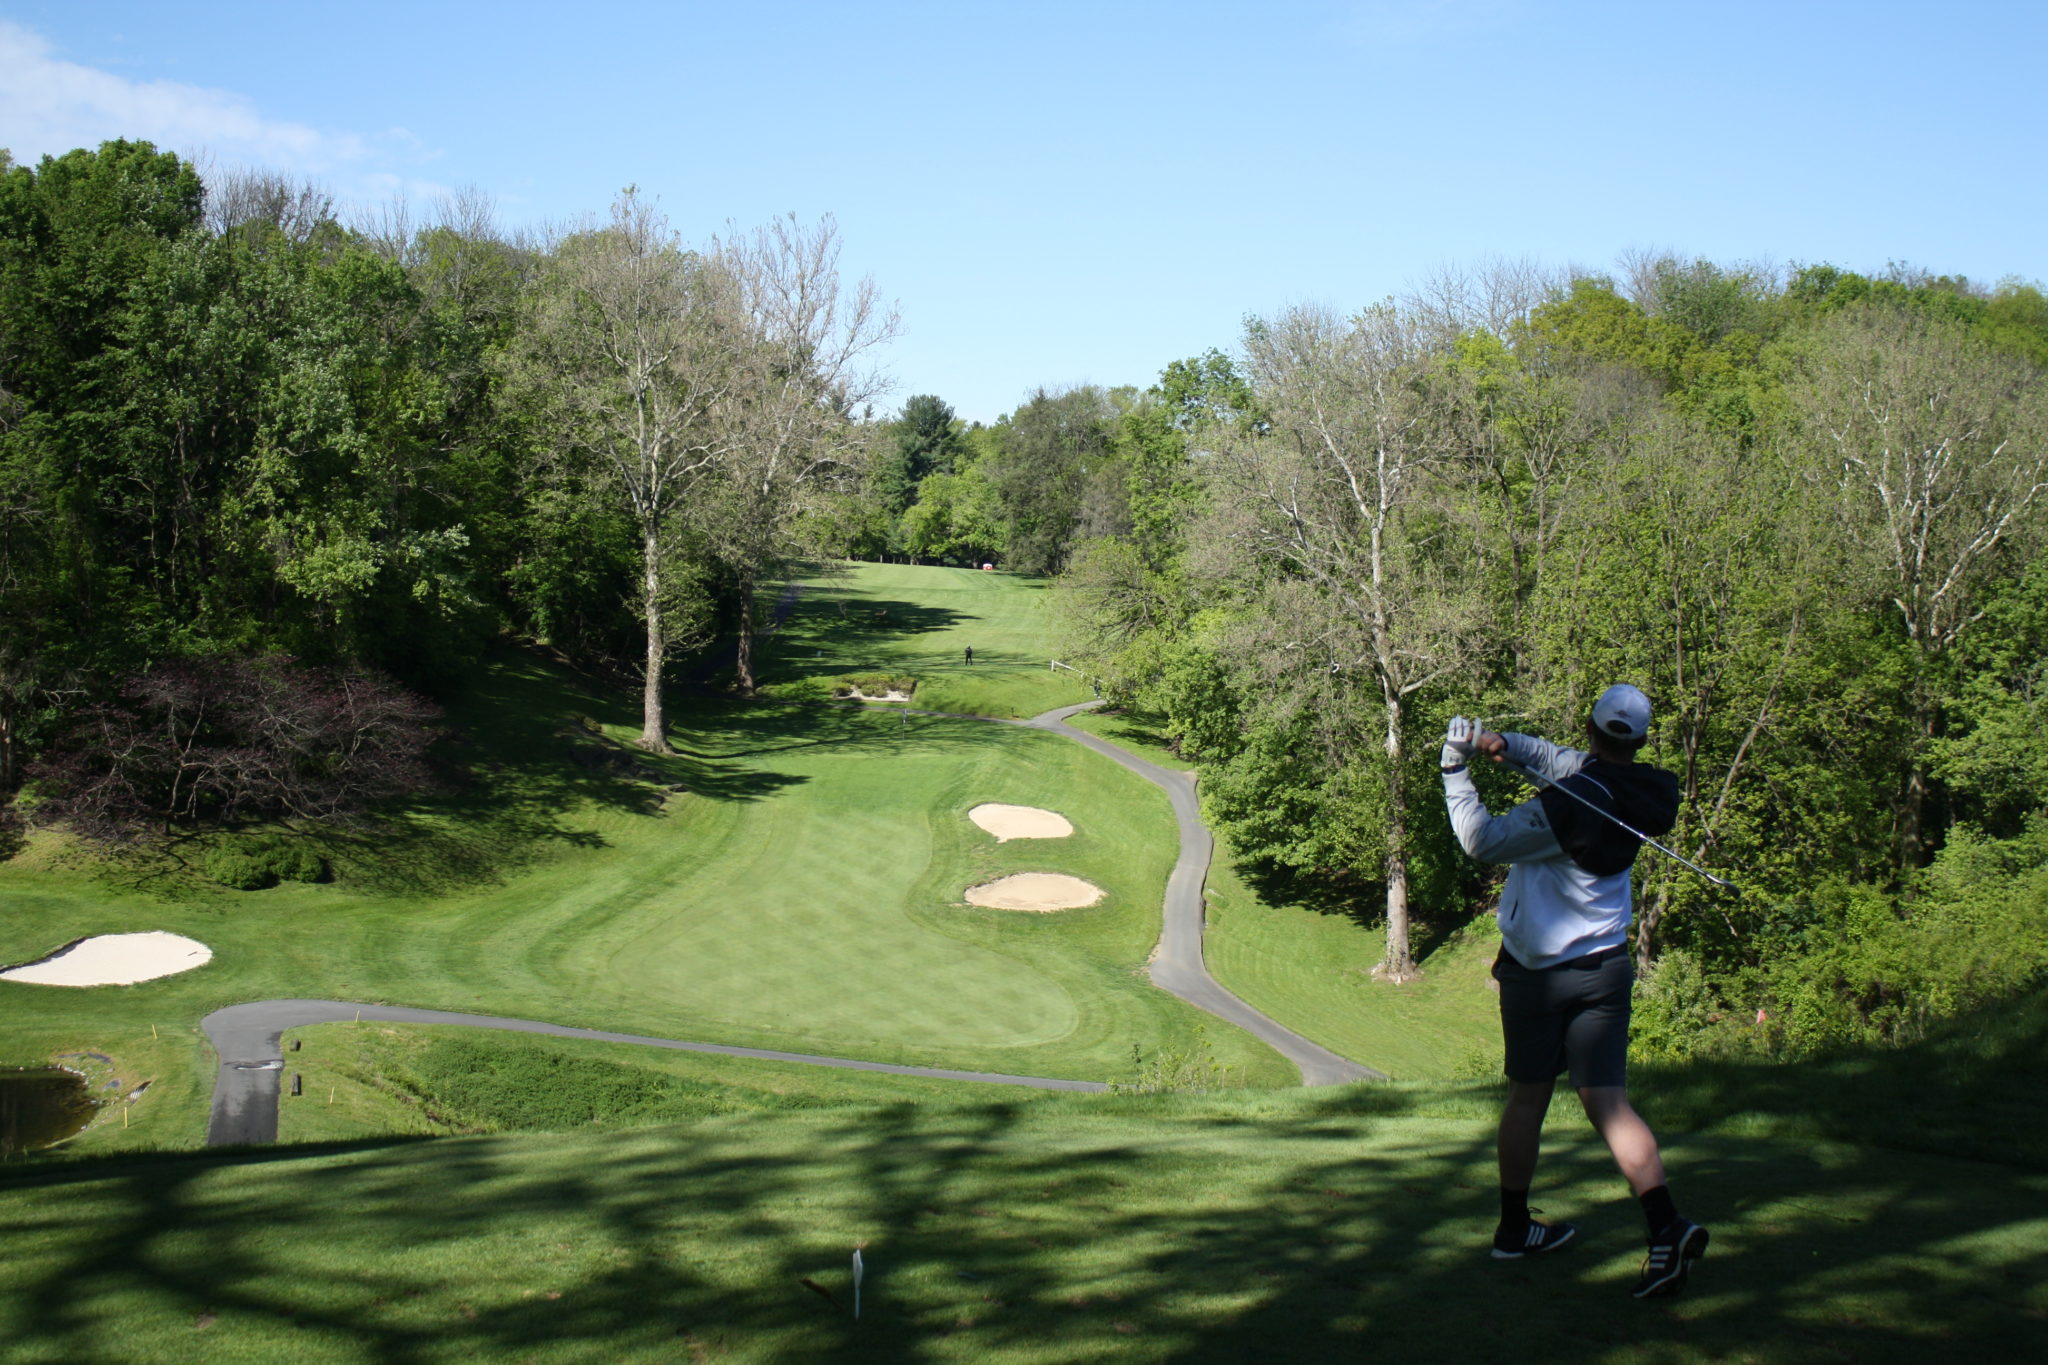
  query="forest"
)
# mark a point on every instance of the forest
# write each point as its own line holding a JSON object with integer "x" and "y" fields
{"x": 273, "y": 483}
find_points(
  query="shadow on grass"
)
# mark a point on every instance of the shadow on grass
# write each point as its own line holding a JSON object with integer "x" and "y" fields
{"x": 1976, "y": 1087}
{"x": 723, "y": 730}
{"x": 1168, "y": 1229}
{"x": 1433, "y": 920}
{"x": 850, "y": 630}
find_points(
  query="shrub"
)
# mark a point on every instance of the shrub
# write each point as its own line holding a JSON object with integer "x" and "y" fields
{"x": 1187, "y": 1071}
{"x": 253, "y": 864}
{"x": 232, "y": 867}
{"x": 1675, "y": 1014}
{"x": 873, "y": 684}
{"x": 292, "y": 862}
{"x": 1486, "y": 1062}
{"x": 230, "y": 740}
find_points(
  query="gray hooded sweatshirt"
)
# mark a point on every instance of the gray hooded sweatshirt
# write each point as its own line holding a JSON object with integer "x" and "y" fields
{"x": 1568, "y": 890}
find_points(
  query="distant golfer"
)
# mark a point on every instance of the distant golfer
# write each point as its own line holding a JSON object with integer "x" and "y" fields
{"x": 1564, "y": 967}
{"x": 970, "y": 656}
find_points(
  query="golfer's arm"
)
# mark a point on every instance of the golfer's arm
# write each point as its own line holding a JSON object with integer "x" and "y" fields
{"x": 1552, "y": 762}
{"x": 1522, "y": 835}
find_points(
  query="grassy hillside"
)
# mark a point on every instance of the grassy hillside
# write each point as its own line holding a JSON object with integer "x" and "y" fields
{"x": 801, "y": 891}
{"x": 1278, "y": 1225}
{"x": 369, "y": 1080}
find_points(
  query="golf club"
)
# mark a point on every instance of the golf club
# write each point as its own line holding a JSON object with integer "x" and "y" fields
{"x": 1676, "y": 857}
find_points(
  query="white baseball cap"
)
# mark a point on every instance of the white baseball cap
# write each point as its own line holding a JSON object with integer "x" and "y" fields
{"x": 1623, "y": 712}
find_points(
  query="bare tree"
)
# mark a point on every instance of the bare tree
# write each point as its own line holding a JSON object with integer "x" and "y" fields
{"x": 805, "y": 378}
{"x": 1338, "y": 499}
{"x": 1937, "y": 449}
{"x": 637, "y": 356}
{"x": 1642, "y": 268}
{"x": 241, "y": 196}
{"x": 1490, "y": 296}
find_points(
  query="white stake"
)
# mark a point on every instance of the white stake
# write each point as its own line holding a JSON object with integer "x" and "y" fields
{"x": 858, "y": 1270}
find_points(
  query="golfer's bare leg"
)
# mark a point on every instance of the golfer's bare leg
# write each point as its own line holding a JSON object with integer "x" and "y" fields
{"x": 1627, "y": 1136}
{"x": 1521, "y": 1133}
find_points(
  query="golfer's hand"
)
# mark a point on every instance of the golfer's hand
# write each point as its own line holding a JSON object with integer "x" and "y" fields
{"x": 1458, "y": 737}
{"x": 1492, "y": 745}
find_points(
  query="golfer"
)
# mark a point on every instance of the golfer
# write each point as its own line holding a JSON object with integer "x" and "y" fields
{"x": 1564, "y": 967}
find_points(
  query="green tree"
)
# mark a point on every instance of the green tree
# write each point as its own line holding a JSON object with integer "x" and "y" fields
{"x": 1055, "y": 476}
{"x": 927, "y": 441}
{"x": 632, "y": 358}
{"x": 1337, "y": 510}
{"x": 1937, "y": 448}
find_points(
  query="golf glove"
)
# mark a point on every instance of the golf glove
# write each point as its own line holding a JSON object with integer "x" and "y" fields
{"x": 1459, "y": 738}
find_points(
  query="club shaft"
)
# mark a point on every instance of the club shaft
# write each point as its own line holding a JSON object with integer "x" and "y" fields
{"x": 1672, "y": 854}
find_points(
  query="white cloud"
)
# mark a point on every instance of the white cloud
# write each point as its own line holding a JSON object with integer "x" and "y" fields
{"x": 49, "y": 106}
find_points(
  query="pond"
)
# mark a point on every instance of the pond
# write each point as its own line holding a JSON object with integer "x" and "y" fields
{"x": 38, "y": 1108}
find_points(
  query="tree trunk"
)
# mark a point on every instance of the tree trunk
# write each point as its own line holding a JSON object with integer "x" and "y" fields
{"x": 1913, "y": 801}
{"x": 1399, "y": 963}
{"x": 1647, "y": 925}
{"x": 746, "y": 652}
{"x": 1912, "y": 804}
{"x": 654, "y": 714}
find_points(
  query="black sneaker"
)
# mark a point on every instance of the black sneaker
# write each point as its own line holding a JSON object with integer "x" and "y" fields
{"x": 1671, "y": 1256}
{"x": 1533, "y": 1240}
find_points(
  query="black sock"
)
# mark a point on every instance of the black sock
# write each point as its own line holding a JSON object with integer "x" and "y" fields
{"x": 1658, "y": 1209}
{"x": 1514, "y": 1208}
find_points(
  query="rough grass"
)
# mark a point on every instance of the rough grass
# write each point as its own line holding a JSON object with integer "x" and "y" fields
{"x": 367, "y": 1080}
{"x": 1296, "y": 1225}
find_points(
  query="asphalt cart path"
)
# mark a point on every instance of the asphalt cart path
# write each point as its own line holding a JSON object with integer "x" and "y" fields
{"x": 1177, "y": 964}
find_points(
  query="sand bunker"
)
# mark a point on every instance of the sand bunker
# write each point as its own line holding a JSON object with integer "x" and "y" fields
{"x": 114, "y": 960}
{"x": 1020, "y": 822}
{"x": 1035, "y": 891}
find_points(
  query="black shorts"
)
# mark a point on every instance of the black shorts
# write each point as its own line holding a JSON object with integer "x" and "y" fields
{"x": 1573, "y": 1015}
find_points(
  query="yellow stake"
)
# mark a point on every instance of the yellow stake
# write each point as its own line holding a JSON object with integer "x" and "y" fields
{"x": 152, "y": 1032}
{"x": 124, "y": 1116}
{"x": 330, "y": 1094}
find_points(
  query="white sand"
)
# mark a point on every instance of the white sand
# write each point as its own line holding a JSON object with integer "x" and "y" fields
{"x": 1039, "y": 891}
{"x": 114, "y": 960}
{"x": 1020, "y": 822}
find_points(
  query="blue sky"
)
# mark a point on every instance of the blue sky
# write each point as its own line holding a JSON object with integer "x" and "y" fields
{"x": 1057, "y": 193}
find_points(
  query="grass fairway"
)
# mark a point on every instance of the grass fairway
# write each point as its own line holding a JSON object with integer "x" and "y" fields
{"x": 803, "y": 893}
{"x": 1291, "y": 1225}
{"x": 851, "y": 618}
